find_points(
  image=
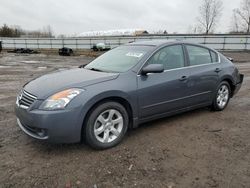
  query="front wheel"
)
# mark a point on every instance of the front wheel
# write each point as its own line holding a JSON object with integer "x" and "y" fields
{"x": 222, "y": 97}
{"x": 106, "y": 125}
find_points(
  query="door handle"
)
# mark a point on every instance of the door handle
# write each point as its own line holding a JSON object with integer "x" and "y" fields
{"x": 183, "y": 78}
{"x": 217, "y": 70}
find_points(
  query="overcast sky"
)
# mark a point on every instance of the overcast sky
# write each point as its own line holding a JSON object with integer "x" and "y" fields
{"x": 76, "y": 16}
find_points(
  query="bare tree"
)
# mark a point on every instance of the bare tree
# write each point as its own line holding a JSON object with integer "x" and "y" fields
{"x": 17, "y": 31}
{"x": 210, "y": 13}
{"x": 235, "y": 26}
{"x": 47, "y": 31}
{"x": 244, "y": 13}
{"x": 192, "y": 29}
{"x": 61, "y": 36}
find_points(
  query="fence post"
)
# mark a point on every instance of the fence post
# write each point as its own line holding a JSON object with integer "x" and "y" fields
{"x": 14, "y": 41}
{"x": 119, "y": 41}
{"x": 224, "y": 43}
{"x": 25, "y": 42}
{"x": 246, "y": 42}
{"x": 76, "y": 43}
{"x": 37, "y": 40}
{"x": 90, "y": 42}
{"x": 50, "y": 43}
{"x": 205, "y": 40}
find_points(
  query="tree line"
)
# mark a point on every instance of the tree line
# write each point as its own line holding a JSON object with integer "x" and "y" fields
{"x": 17, "y": 31}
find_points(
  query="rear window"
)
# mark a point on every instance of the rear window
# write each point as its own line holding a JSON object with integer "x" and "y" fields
{"x": 198, "y": 55}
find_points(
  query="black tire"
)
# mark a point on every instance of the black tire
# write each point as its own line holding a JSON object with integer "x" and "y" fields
{"x": 89, "y": 125}
{"x": 215, "y": 106}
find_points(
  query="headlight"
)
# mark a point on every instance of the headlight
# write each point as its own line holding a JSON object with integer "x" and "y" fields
{"x": 60, "y": 100}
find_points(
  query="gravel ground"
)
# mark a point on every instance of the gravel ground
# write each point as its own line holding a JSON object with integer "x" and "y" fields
{"x": 194, "y": 149}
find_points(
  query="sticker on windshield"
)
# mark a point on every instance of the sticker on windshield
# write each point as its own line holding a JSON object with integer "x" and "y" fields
{"x": 134, "y": 54}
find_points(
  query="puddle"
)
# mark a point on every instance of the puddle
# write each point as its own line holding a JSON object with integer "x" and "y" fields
{"x": 4, "y": 67}
{"x": 61, "y": 69}
{"x": 30, "y": 62}
{"x": 42, "y": 67}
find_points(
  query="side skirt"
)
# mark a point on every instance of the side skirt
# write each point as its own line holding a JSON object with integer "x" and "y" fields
{"x": 167, "y": 114}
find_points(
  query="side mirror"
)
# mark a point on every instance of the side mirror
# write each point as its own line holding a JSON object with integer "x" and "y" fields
{"x": 152, "y": 68}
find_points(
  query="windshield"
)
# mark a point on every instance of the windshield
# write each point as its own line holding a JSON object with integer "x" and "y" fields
{"x": 120, "y": 59}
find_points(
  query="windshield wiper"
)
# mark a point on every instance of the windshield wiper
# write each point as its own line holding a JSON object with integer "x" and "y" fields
{"x": 95, "y": 69}
{"x": 81, "y": 66}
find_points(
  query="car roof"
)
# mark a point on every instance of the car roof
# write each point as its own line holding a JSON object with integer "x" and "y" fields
{"x": 153, "y": 42}
{"x": 156, "y": 43}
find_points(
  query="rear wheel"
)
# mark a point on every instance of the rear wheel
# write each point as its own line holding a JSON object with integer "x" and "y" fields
{"x": 106, "y": 125}
{"x": 222, "y": 97}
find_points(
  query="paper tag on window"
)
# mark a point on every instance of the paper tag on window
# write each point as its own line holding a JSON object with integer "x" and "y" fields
{"x": 134, "y": 54}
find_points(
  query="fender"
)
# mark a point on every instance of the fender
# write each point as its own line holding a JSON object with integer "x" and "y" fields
{"x": 228, "y": 77}
{"x": 111, "y": 94}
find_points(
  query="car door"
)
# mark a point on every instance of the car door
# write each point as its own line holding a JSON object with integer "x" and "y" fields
{"x": 161, "y": 93}
{"x": 204, "y": 67}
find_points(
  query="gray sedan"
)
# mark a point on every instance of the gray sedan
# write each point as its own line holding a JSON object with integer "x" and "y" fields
{"x": 123, "y": 88}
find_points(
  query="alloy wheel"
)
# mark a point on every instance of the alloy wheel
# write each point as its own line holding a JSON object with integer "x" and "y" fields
{"x": 222, "y": 96}
{"x": 108, "y": 126}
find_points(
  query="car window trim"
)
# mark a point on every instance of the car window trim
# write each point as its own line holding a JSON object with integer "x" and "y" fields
{"x": 210, "y": 54}
{"x": 160, "y": 48}
{"x": 187, "y": 67}
{"x": 217, "y": 56}
{"x": 188, "y": 60}
{"x": 186, "y": 57}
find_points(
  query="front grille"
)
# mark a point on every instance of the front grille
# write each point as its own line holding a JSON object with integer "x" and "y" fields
{"x": 26, "y": 99}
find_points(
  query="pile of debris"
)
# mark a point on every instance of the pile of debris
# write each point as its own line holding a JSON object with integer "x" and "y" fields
{"x": 65, "y": 51}
{"x": 23, "y": 51}
{"x": 101, "y": 47}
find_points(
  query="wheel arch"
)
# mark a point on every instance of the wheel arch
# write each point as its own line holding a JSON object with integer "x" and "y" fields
{"x": 121, "y": 99}
{"x": 230, "y": 81}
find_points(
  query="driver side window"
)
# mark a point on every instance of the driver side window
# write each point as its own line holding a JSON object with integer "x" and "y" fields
{"x": 171, "y": 57}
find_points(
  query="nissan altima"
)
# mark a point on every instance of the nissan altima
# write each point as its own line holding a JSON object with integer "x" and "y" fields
{"x": 123, "y": 88}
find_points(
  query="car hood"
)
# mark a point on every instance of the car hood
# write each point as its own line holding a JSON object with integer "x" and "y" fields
{"x": 46, "y": 85}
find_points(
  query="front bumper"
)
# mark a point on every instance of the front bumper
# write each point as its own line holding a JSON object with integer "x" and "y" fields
{"x": 40, "y": 134}
{"x": 62, "y": 126}
{"x": 239, "y": 84}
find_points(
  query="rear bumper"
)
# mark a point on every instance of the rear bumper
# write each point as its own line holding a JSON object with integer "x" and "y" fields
{"x": 238, "y": 85}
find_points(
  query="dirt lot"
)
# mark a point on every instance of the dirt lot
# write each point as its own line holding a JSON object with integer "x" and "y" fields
{"x": 195, "y": 149}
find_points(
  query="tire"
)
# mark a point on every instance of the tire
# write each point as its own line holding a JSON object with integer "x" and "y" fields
{"x": 106, "y": 125}
{"x": 220, "y": 102}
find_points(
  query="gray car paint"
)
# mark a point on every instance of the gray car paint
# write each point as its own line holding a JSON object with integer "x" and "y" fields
{"x": 149, "y": 96}
{"x": 61, "y": 80}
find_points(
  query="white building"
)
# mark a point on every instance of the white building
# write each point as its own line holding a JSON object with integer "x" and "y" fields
{"x": 117, "y": 32}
